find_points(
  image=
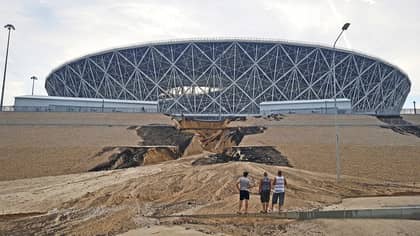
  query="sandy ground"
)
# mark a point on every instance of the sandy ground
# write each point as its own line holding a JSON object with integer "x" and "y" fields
{"x": 45, "y": 189}
{"x": 414, "y": 119}
{"x": 65, "y": 118}
{"x": 45, "y": 144}
{"x": 366, "y": 150}
{"x": 313, "y": 227}
{"x": 167, "y": 231}
{"x": 121, "y": 200}
{"x": 32, "y": 151}
{"x": 376, "y": 203}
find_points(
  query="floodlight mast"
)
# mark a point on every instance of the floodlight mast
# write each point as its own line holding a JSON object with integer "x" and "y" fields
{"x": 33, "y": 78}
{"x": 9, "y": 27}
{"x": 337, "y": 141}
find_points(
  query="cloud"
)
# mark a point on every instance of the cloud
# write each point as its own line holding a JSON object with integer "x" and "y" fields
{"x": 12, "y": 88}
{"x": 371, "y": 2}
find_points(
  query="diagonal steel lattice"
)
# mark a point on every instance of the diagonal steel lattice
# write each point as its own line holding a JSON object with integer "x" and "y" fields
{"x": 232, "y": 76}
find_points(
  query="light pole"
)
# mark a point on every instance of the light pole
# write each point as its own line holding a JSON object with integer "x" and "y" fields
{"x": 8, "y": 27}
{"x": 337, "y": 143}
{"x": 414, "y": 103}
{"x": 33, "y": 78}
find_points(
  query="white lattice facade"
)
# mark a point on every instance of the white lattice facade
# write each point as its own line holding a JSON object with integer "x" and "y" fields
{"x": 232, "y": 76}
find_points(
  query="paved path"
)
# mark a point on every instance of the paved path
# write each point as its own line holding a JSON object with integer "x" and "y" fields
{"x": 412, "y": 213}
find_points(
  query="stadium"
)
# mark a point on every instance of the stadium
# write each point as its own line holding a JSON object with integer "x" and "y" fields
{"x": 232, "y": 76}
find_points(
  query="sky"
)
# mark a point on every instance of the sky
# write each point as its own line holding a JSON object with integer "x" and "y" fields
{"x": 51, "y": 32}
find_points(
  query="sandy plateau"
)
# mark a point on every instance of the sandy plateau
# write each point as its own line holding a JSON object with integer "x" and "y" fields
{"x": 46, "y": 187}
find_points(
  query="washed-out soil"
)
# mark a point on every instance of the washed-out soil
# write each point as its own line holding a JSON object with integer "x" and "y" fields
{"x": 258, "y": 154}
{"x": 399, "y": 125}
{"x": 233, "y": 135}
{"x": 126, "y": 157}
{"x": 159, "y": 135}
{"x": 237, "y": 134}
{"x": 275, "y": 117}
{"x": 165, "y": 142}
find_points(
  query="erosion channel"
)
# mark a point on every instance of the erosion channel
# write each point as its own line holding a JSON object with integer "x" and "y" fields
{"x": 218, "y": 141}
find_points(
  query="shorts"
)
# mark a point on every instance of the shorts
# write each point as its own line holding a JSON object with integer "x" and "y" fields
{"x": 280, "y": 197}
{"x": 243, "y": 194}
{"x": 265, "y": 196}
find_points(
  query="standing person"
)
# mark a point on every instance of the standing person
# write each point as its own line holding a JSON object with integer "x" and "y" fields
{"x": 264, "y": 190}
{"x": 243, "y": 186}
{"x": 279, "y": 184}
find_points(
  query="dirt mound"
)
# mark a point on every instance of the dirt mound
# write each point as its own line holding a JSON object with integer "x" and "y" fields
{"x": 258, "y": 154}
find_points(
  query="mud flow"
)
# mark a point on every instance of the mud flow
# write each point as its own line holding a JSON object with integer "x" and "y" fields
{"x": 189, "y": 137}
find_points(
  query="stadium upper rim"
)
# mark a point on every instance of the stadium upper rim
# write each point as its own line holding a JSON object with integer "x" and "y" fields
{"x": 228, "y": 39}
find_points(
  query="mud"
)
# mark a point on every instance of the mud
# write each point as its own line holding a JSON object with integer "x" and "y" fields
{"x": 258, "y": 154}
{"x": 217, "y": 136}
{"x": 213, "y": 136}
{"x": 126, "y": 157}
{"x": 218, "y": 140}
{"x": 189, "y": 137}
{"x": 275, "y": 117}
{"x": 159, "y": 143}
{"x": 399, "y": 125}
{"x": 164, "y": 135}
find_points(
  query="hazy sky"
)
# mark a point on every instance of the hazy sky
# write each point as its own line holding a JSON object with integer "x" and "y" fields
{"x": 51, "y": 32}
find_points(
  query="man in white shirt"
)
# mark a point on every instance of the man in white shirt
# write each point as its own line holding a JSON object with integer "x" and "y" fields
{"x": 279, "y": 184}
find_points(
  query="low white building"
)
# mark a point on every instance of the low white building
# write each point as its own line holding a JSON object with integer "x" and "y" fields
{"x": 73, "y": 104}
{"x": 321, "y": 106}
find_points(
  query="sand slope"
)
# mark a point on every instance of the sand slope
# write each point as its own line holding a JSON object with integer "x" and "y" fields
{"x": 44, "y": 144}
{"x": 366, "y": 149}
{"x": 45, "y": 189}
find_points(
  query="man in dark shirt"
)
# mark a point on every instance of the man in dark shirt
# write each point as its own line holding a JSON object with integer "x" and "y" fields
{"x": 264, "y": 190}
